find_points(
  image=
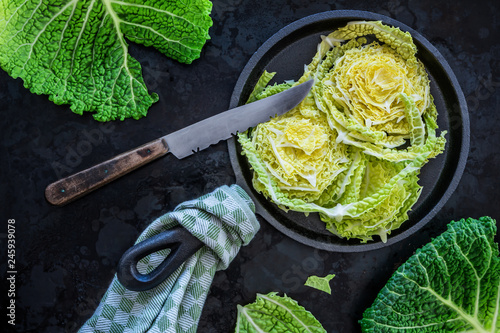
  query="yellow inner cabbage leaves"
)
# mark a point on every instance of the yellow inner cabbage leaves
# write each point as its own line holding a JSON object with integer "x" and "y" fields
{"x": 367, "y": 83}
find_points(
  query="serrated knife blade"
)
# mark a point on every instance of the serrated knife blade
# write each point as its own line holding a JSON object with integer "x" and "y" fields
{"x": 181, "y": 143}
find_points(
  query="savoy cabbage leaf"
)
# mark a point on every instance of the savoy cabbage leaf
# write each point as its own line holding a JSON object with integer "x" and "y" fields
{"x": 320, "y": 283}
{"x": 76, "y": 51}
{"x": 452, "y": 284}
{"x": 353, "y": 149}
{"x": 272, "y": 313}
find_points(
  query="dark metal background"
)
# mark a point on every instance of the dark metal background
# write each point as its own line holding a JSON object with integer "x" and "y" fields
{"x": 66, "y": 257}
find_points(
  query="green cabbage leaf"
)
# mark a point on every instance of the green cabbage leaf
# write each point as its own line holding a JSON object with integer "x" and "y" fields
{"x": 76, "y": 51}
{"x": 273, "y": 313}
{"x": 452, "y": 284}
{"x": 353, "y": 149}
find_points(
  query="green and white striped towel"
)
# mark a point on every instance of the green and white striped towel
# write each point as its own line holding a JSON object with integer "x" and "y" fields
{"x": 224, "y": 220}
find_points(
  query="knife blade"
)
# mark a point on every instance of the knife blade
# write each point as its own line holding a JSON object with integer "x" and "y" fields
{"x": 181, "y": 144}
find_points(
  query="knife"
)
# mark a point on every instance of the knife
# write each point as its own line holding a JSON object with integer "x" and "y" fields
{"x": 181, "y": 144}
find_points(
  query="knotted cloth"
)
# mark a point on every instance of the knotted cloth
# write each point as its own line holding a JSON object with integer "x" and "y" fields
{"x": 224, "y": 220}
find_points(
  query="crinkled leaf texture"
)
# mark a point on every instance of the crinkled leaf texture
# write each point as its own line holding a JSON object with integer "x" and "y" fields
{"x": 353, "y": 149}
{"x": 452, "y": 284}
{"x": 272, "y": 314}
{"x": 76, "y": 51}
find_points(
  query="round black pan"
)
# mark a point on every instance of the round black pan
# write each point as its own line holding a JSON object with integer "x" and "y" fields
{"x": 286, "y": 53}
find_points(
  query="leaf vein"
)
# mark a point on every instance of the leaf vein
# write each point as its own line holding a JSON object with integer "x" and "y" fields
{"x": 159, "y": 34}
{"x": 41, "y": 32}
{"x": 89, "y": 10}
{"x": 287, "y": 309}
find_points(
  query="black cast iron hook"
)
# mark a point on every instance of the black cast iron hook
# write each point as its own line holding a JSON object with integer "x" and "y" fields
{"x": 182, "y": 245}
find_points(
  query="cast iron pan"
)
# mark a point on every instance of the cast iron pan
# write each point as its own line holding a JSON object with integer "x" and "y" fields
{"x": 286, "y": 53}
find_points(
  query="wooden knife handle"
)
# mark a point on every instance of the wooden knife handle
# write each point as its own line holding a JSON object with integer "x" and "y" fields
{"x": 75, "y": 186}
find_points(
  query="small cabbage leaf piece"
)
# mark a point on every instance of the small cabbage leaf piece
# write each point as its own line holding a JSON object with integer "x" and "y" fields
{"x": 452, "y": 284}
{"x": 76, "y": 52}
{"x": 320, "y": 283}
{"x": 272, "y": 313}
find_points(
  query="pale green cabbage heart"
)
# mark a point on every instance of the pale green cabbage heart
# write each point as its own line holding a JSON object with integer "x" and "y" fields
{"x": 452, "y": 284}
{"x": 353, "y": 149}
